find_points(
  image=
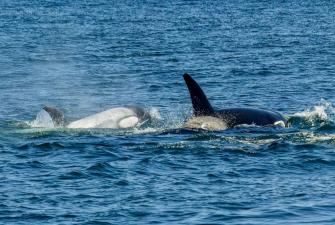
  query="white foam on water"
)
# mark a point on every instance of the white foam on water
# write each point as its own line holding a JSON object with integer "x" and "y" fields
{"x": 315, "y": 112}
{"x": 42, "y": 120}
{"x": 148, "y": 130}
{"x": 323, "y": 111}
{"x": 311, "y": 138}
{"x": 154, "y": 113}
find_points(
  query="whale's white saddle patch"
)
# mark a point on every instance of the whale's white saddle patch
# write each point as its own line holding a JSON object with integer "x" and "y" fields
{"x": 206, "y": 123}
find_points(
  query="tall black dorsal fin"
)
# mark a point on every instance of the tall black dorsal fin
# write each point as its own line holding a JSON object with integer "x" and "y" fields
{"x": 56, "y": 116}
{"x": 201, "y": 105}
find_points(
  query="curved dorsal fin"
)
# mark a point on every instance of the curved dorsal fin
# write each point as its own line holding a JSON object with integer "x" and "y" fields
{"x": 201, "y": 105}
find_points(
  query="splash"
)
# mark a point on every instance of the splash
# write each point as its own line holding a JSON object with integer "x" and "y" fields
{"x": 318, "y": 111}
{"x": 154, "y": 113}
{"x": 42, "y": 120}
{"x": 316, "y": 116}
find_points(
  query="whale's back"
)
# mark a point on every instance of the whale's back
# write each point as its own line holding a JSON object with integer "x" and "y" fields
{"x": 260, "y": 117}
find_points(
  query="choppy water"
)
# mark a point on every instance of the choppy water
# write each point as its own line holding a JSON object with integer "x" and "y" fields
{"x": 84, "y": 57}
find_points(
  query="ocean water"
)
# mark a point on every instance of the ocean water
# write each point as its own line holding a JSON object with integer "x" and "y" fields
{"x": 84, "y": 57}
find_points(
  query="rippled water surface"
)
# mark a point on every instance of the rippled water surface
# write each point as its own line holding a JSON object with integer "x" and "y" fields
{"x": 87, "y": 56}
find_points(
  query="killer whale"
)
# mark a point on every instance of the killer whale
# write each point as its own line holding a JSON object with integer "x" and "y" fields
{"x": 205, "y": 116}
{"x": 114, "y": 118}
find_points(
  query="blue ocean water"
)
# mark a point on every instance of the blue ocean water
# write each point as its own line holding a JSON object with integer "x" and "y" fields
{"x": 87, "y": 56}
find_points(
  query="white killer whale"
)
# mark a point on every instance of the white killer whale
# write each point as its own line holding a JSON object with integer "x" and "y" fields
{"x": 114, "y": 118}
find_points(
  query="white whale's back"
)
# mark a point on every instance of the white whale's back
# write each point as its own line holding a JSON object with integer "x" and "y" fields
{"x": 120, "y": 117}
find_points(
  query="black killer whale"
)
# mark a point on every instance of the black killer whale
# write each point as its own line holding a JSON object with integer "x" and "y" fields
{"x": 206, "y": 117}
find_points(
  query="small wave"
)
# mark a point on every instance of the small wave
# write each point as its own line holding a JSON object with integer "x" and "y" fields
{"x": 73, "y": 175}
{"x": 320, "y": 161}
{"x": 97, "y": 222}
{"x": 31, "y": 164}
{"x": 34, "y": 217}
{"x": 102, "y": 169}
{"x": 122, "y": 182}
{"x": 99, "y": 167}
{"x": 45, "y": 146}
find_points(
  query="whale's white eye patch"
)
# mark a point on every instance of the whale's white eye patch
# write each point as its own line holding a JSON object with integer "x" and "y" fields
{"x": 279, "y": 123}
{"x": 128, "y": 122}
